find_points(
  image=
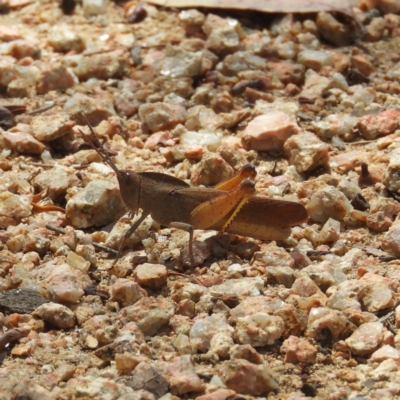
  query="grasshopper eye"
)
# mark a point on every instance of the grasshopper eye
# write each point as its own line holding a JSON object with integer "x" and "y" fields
{"x": 125, "y": 175}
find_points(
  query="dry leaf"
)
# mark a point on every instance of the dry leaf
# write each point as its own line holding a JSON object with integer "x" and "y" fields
{"x": 268, "y": 6}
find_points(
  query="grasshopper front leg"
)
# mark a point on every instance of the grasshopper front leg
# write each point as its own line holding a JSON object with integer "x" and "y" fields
{"x": 129, "y": 233}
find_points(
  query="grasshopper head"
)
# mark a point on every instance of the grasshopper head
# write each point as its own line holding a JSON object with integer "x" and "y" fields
{"x": 129, "y": 185}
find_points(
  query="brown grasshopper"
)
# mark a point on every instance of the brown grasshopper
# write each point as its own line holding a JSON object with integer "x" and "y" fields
{"x": 230, "y": 207}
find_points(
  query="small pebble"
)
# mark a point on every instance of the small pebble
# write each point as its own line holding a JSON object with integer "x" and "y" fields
{"x": 161, "y": 116}
{"x": 99, "y": 203}
{"x": 306, "y": 152}
{"x": 222, "y": 35}
{"x": 47, "y": 128}
{"x": 64, "y": 40}
{"x": 55, "y": 314}
{"x": 203, "y": 330}
{"x": 298, "y": 350}
{"x": 314, "y": 59}
{"x": 330, "y": 232}
{"x": 153, "y": 276}
{"x": 126, "y": 292}
{"x": 211, "y": 170}
{"x": 365, "y": 339}
{"x": 247, "y": 378}
{"x": 12, "y": 209}
{"x": 94, "y": 7}
{"x": 259, "y": 329}
{"x": 150, "y": 314}
{"x": 78, "y": 262}
{"x": 328, "y": 203}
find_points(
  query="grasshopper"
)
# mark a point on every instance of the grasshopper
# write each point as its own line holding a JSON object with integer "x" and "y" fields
{"x": 230, "y": 206}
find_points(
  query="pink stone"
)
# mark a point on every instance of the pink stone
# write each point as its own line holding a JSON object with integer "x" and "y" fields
{"x": 370, "y": 277}
{"x": 388, "y": 338}
{"x": 126, "y": 292}
{"x": 55, "y": 314}
{"x": 345, "y": 162}
{"x": 298, "y": 350}
{"x": 23, "y": 142}
{"x": 221, "y": 394}
{"x": 314, "y": 85}
{"x": 186, "y": 307}
{"x": 211, "y": 170}
{"x": 270, "y": 131}
{"x": 55, "y": 77}
{"x": 245, "y": 352}
{"x": 391, "y": 241}
{"x": 156, "y": 139}
{"x": 306, "y": 287}
{"x": 133, "y": 328}
{"x": 8, "y": 34}
{"x": 385, "y": 123}
{"x": 182, "y": 376}
{"x": 287, "y": 72}
{"x": 384, "y": 353}
{"x": 247, "y": 378}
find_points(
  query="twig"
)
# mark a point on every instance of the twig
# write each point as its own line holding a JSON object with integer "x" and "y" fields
{"x": 360, "y": 142}
{"x": 56, "y": 229}
{"x": 100, "y": 51}
{"x": 192, "y": 279}
{"x": 95, "y": 244}
{"x": 37, "y": 164}
{"x": 42, "y": 109}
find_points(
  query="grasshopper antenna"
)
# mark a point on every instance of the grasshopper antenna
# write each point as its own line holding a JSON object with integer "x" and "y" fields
{"x": 96, "y": 145}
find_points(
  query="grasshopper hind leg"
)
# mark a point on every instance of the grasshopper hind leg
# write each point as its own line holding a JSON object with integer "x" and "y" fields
{"x": 210, "y": 213}
{"x": 246, "y": 172}
{"x": 187, "y": 228}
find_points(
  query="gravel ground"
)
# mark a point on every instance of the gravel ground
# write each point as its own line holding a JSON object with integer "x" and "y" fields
{"x": 312, "y": 101}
